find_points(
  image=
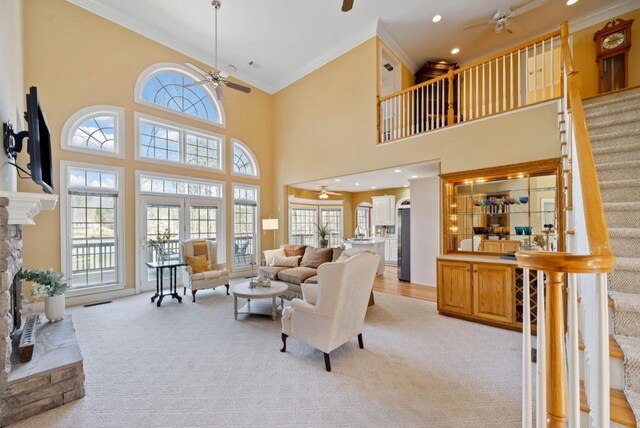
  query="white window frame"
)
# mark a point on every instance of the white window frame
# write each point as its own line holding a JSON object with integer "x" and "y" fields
{"x": 341, "y": 217}
{"x": 65, "y": 217}
{"x": 76, "y": 119}
{"x": 318, "y": 209}
{"x": 252, "y": 157}
{"x": 177, "y": 68}
{"x": 182, "y": 130}
{"x": 257, "y": 250}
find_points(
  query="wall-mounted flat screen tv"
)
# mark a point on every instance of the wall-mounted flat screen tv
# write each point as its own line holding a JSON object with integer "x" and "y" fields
{"x": 39, "y": 144}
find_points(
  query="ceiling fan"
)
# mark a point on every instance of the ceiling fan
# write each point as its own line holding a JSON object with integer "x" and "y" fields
{"x": 500, "y": 21}
{"x": 324, "y": 193}
{"x": 347, "y": 5}
{"x": 217, "y": 77}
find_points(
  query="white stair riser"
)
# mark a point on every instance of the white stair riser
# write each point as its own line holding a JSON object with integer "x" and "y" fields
{"x": 621, "y": 194}
{"x": 616, "y": 371}
{"x": 621, "y": 156}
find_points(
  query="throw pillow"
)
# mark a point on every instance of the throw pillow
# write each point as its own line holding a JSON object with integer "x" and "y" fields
{"x": 270, "y": 255}
{"x": 314, "y": 257}
{"x": 343, "y": 257}
{"x": 198, "y": 264}
{"x": 337, "y": 251}
{"x": 286, "y": 261}
{"x": 200, "y": 248}
{"x": 294, "y": 250}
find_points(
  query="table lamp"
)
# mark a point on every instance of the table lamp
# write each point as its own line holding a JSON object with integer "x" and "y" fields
{"x": 271, "y": 224}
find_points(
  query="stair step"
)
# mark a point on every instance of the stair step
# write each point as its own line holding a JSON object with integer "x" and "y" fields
{"x": 622, "y": 118}
{"x": 609, "y": 99}
{"x": 614, "y": 349}
{"x": 620, "y": 190}
{"x": 625, "y": 241}
{"x": 627, "y": 170}
{"x": 617, "y": 153}
{"x": 616, "y": 108}
{"x": 599, "y": 133}
{"x": 626, "y": 275}
{"x": 620, "y": 410}
{"x": 622, "y": 214}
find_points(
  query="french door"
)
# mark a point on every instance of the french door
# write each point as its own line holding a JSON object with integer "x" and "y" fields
{"x": 182, "y": 219}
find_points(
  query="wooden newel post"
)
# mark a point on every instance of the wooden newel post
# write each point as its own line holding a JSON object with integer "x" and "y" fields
{"x": 557, "y": 391}
{"x": 450, "y": 112}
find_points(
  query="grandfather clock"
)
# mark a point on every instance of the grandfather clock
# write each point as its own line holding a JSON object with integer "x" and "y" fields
{"x": 612, "y": 54}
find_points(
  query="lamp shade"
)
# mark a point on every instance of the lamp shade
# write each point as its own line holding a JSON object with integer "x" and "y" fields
{"x": 269, "y": 224}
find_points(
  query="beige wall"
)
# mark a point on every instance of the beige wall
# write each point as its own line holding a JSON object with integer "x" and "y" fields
{"x": 77, "y": 59}
{"x": 584, "y": 55}
{"x": 12, "y": 95}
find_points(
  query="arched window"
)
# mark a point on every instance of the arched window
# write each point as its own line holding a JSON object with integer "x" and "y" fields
{"x": 166, "y": 86}
{"x": 244, "y": 162}
{"x": 95, "y": 129}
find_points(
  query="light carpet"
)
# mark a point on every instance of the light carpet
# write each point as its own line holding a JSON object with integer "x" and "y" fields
{"x": 192, "y": 364}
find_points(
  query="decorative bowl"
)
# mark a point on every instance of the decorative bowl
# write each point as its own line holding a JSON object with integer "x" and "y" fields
{"x": 528, "y": 230}
{"x": 524, "y": 199}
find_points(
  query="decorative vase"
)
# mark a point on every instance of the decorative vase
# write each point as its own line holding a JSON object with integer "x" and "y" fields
{"x": 324, "y": 243}
{"x": 54, "y": 307}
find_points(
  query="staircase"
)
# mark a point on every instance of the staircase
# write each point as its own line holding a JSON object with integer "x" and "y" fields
{"x": 614, "y": 127}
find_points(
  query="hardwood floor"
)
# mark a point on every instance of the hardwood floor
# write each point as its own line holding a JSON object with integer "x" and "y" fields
{"x": 389, "y": 283}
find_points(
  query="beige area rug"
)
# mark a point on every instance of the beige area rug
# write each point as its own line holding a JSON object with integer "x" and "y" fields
{"x": 191, "y": 364}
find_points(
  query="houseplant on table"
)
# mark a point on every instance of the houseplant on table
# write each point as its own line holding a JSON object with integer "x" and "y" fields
{"x": 323, "y": 231}
{"x": 50, "y": 285}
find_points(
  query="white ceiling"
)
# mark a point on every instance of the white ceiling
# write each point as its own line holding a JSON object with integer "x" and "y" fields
{"x": 389, "y": 178}
{"x": 290, "y": 38}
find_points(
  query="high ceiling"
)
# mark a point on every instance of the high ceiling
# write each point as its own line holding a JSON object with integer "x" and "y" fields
{"x": 289, "y": 38}
{"x": 388, "y": 178}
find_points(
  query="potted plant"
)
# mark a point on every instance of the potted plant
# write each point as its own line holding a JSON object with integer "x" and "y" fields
{"x": 50, "y": 285}
{"x": 323, "y": 231}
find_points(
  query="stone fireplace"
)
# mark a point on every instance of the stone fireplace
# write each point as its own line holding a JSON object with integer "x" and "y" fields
{"x": 55, "y": 374}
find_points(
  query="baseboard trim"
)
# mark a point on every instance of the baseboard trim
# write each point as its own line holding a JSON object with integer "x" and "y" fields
{"x": 84, "y": 299}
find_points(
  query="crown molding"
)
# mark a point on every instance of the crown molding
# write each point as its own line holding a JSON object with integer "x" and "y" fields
{"x": 160, "y": 36}
{"x": 390, "y": 42}
{"x": 612, "y": 10}
{"x": 24, "y": 207}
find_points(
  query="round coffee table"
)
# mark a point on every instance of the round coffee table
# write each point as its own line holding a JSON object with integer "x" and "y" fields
{"x": 277, "y": 289}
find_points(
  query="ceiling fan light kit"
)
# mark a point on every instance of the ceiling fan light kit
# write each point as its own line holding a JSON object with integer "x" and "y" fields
{"x": 501, "y": 20}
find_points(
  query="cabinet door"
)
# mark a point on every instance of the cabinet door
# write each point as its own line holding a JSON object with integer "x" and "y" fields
{"x": 493, "y": 293}
{"x": 492, "y": 246}
{"x": 454, "y": 287}
{"x": 391, "y": 201}
{"x": 378, "y": 211}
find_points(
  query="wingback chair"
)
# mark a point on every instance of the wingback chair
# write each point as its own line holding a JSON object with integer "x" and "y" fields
{"x": 333, "y": 310}
{"x": 216, "y": 276}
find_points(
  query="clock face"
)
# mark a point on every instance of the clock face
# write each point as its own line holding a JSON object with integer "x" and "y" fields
{"x": 613, "y": 40}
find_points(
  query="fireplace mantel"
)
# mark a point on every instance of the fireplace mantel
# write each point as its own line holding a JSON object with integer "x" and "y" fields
{"x": 23, "y": 206}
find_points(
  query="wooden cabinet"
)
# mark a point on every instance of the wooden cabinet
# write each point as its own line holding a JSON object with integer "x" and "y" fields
{"x": 384, "y": 210}
{"x": 483, "y": 292}
{"x": 454, "y": 287}
{"x": 499, "y": 246}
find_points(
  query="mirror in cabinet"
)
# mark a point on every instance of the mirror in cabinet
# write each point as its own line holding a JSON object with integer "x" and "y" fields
{"x": 504, "y": 209}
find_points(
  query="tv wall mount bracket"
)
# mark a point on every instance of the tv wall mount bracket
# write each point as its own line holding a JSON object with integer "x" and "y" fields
{"x": 12, "y": 141}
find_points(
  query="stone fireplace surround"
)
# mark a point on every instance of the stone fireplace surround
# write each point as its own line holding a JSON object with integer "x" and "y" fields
{"x": 55, "y": 375}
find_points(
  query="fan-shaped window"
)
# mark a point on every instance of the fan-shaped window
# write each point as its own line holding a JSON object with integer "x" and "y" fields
{"x": 244, "y": 163}
{"x": 95, "y": 129}
{"x": 166, "y": 86}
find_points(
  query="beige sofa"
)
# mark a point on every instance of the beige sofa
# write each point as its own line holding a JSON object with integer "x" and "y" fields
{"x": 310, "y": 258}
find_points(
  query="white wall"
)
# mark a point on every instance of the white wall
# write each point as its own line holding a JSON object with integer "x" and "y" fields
{"x": 12, "y": 92}
{"x": 425, "y": 229}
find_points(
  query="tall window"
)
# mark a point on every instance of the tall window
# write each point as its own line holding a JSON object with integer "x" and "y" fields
{"x": 244, "y": 163}
{"x": 92, "y": 223}
{"x": 167, "y": 86}
{"x": 303, "y": 220}
{"x": 245, "y": 224}
{"x": 363, "y": 220}
{"x": 203, "y": 222}
{"x": 163, "y": 141}
{"x": 95, "y": 129}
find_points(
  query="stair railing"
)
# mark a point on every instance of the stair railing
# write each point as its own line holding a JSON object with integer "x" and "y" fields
{"x": 591, "y": 258}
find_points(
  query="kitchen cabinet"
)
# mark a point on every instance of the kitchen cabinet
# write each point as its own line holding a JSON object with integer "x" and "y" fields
{"x": 391, "y": 250}
{"x": 384, "y": 210}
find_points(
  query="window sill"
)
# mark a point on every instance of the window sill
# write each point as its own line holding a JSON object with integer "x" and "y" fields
{"x": 84, "y": 291}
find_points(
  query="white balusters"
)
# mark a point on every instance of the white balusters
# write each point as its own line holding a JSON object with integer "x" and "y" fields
{"x": 573, "y": 351}
{"x": 527, "y": 410}
{"x": 541, "y": 355}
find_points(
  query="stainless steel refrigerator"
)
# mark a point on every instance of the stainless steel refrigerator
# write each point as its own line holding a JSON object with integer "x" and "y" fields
{"x": 403, "y": 232}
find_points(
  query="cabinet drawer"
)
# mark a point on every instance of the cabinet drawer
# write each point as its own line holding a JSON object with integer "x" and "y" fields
{"x": 454, "y": 287}
{"x": 493, "y": 293}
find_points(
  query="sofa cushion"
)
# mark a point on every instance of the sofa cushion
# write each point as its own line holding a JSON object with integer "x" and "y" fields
{"x": 292, "y": 261}
{"x": 211, "y": 274}
{"x": 197, "y": 264}
{"x": 296, "y": 275}
{"x": 314, "y": 257}
{"x": 270, "y": 255}
{"x": 312, "y": 280}
{"x": 294, "y": 250}
{"x": 270, "y": 272}
{"x": 337, "y": 251}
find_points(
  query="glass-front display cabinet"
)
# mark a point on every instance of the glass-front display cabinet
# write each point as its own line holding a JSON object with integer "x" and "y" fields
{"x": 505, "y": 209}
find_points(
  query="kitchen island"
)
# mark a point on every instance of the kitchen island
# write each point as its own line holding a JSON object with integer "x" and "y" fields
{"x": 374, "y": 245}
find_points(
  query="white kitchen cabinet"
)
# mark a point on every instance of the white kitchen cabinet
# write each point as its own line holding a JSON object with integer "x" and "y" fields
{"x": 391, "y": 251}
{"x": 384, "y": 210}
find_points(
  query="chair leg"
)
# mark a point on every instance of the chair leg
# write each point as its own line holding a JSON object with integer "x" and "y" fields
{"x": 193, "y": 293}
{"x": 284, "y": 342}
{"x": 227, "y": 285}
{"x": 327, "y": 362}
{"x": 360, "y": 341}
{"x": 184, "y": 292}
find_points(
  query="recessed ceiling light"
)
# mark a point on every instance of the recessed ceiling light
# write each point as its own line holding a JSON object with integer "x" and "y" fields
{"x": 414, "y": 176}
{"x": 397, "y": 170}
{"x": 357, "y": 184}
{"x": 373, "y": 187}
{"x": 454, "y": 51}
{"x": 571, "y": 2}
{"x": 336, "y": 180}
{"x": 436, "y": 18}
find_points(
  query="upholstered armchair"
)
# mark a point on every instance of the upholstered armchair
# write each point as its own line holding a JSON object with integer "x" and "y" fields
{"x": 333, "y": 310}
{"x": 215, "y": 276}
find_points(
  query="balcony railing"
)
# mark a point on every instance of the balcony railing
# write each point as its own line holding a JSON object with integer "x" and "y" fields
{"x": 522, "y": 76}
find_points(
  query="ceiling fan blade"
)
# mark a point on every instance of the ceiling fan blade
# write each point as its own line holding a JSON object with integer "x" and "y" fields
{"x": 237, "y": 87}
{"x": 333, "y": 193}
{"x": 528, "y": 7}
{"x": 200, "y": 82}
{"x": 196, "y": 68}
{"x": 219, "y": 93}
{"x": 347, "y": 5}
{"x": 477, "y": 24}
